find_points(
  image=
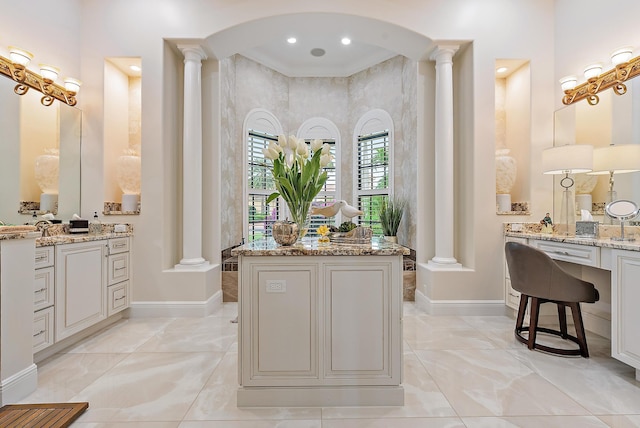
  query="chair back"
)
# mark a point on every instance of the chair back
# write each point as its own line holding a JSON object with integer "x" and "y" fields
{"x": 535, "y": 274}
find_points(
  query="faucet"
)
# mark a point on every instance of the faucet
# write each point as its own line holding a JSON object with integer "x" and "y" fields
{"x": 43, "y": 226}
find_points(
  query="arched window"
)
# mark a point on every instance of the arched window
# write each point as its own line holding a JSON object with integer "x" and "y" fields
{"x": 373, "y": 165}
{"x": 260, "y": 127}
{"x": 325, "y": 130}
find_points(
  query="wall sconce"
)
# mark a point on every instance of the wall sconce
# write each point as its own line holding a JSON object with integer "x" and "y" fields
{"x": 624, "y": 68}
{"x": 15, "y": 67}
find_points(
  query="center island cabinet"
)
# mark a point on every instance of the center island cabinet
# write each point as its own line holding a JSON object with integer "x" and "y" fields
{"x": 320, "y": 325}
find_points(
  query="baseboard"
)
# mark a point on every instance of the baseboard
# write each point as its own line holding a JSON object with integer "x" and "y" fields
{"x": 176, "y": 309}
{"x": 18, "y": 386}
{"x": 459, "y": 307}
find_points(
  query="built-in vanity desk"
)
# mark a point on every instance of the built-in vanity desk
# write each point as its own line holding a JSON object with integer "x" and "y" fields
{"x": 621, "y": 258}
{"x": 320, "y": 325}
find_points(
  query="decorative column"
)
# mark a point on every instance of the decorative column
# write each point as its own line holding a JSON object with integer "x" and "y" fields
{"x": 444, "y": 192}
{"x": 192, "y": 159}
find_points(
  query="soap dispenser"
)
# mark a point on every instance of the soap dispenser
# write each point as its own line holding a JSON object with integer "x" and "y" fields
{"x": 95, "y": 227}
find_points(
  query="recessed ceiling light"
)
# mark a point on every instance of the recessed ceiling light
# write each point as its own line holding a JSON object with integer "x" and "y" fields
{"x": 501, "y": 69}
{"x": 135, "y": 68}
{"x": 346, "y": 41}
{"x": 291, "y": 40}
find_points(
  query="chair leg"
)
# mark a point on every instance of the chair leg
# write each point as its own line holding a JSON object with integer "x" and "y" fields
{"x": 562, "y": 319}
{"x": 580, "y": 335}
{"x": 524, "y": 299}
{"x": 533, "y": 322}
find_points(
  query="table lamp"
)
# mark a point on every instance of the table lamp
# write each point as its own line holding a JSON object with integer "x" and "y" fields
{"x": 567, "y": 159}
{"x": 615, "y": 159}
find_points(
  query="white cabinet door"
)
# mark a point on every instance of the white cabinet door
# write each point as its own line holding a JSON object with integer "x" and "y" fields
{"x": 511, "y": 296}
{"x": 625, "y": 317}
{"x": 81, "y": 277}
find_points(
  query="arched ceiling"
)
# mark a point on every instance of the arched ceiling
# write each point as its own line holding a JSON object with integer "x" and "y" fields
{"x": 265, "y": 41}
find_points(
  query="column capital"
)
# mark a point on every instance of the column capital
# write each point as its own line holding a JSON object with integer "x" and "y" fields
{"x": 443, "y": 53}
{"x": 192, "y": 52}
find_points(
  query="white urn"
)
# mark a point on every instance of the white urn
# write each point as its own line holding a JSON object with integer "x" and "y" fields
{"x": 506, "y": 170}
{"x": 128, "y": 174}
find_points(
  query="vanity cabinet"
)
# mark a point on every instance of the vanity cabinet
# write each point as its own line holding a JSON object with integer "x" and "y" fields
{"x": 118, "y": 276}
{"x": 43, "y": 299}
{"x": 625, "y": 317}
{"x": 81, "y": 275}
{"x": 511, "y": 296}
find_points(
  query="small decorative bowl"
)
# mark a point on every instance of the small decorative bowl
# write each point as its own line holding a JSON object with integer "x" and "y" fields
{"x": 285, "y": 232}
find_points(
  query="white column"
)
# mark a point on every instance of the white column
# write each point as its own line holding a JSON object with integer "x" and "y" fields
{"x": 444, "y": 192}
{"x": 192, "y": 158}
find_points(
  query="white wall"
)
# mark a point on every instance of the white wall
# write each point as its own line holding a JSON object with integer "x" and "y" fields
{"x": 495, "y": 28}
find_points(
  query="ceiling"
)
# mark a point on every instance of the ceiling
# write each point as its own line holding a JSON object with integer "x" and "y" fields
{"x": 265, "y": 41}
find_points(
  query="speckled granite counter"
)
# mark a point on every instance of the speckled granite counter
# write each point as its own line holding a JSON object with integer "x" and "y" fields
{"x": 80, "y": 237}
{"x": 606, "y": 233}
{"x": 18, "y": 235}
{"x": 310, "y": 247}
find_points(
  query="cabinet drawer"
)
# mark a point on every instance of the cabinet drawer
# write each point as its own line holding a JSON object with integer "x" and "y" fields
{"x": 118, "y": 298}
{"x": 513, "y": 297}
{"x": 118, "y": 270}
{"x": 118, "y": 245}
{"x": 580, "y": 254}
{"x": 42, "y": 329}
{"x": 43, "y": 290}
{"x": 44, "y": 256}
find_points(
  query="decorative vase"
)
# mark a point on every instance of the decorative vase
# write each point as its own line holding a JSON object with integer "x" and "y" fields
{"x": 303, "y": 226}
{"x": 128, "y": 174}
{"x": 585, "y": 184}
{"x": 506, "y": 170}
{"x": 285, "y": 232}
{"x": 392, "y": 239}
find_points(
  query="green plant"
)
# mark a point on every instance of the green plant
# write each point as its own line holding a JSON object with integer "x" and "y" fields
{"x": 347, "y": 226}
{"x": 297, "y": 172}
{"x": 390, "y": 213}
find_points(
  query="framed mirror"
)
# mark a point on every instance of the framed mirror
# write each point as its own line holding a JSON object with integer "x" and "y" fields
{"x": 614, "y": 120}
{"x": 32, "y": 133}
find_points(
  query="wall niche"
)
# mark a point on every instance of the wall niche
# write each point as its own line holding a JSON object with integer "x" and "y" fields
{"x": 513, "y": 135}
{"x": 122, "y": 135}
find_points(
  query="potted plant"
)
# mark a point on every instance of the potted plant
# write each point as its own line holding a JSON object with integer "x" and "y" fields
{"x": 390, "y": 212}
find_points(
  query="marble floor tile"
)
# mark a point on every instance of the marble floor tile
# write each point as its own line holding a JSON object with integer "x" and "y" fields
{"x": 494, "y": 383}
{"x": 148, "y": 387}
{"x": 535, "y": 422}
{"x": 459, "y": 371}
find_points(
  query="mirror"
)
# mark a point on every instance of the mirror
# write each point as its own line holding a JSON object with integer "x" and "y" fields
{"x": 32, "y": 133}
{"x": 614, "y": 120}
{"x": 622, "y": 210}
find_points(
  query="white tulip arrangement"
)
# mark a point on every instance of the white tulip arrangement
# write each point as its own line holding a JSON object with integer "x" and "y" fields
{"x": 297, "y": 172}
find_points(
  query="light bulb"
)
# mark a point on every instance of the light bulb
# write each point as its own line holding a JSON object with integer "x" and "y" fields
{"x": 20, "y": 56}
{"x": 621, "y": 55}
{"x": 49, "y": 72}
{"x": 568, "y": 82}
{"x": 593, "y": 70}
{"x": 72, "y": 85}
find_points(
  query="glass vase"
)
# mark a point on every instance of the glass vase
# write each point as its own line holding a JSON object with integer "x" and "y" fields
{"x": 300, "y": 216}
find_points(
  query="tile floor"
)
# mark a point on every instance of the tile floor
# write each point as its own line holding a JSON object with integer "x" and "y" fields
{"x": 460, "y": 371}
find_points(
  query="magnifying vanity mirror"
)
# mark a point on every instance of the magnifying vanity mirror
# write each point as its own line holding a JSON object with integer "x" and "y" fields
{"x": 39, "y": 157}
{"x": 622, "y": 210}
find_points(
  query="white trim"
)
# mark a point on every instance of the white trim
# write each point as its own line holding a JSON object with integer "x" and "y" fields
{"x": 18, "y": 386}
{"x": 198, "y": 309}
{"x": 265, "y": 121}
{"x": 459, "y": 307}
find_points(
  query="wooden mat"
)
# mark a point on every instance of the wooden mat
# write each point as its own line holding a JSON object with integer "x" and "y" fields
{"x": 49, "y": 415}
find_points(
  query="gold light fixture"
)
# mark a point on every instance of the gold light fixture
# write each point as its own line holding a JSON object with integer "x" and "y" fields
{"x": 624, "y": 68}
{"x": 15, "y": 67}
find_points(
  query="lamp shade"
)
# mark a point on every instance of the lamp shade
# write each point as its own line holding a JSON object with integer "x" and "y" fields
{"x": 621, "y": 55}
{"x": 619, "y": 159}
{"x": 569, "y": 159}
{"x": 20, "y": 56}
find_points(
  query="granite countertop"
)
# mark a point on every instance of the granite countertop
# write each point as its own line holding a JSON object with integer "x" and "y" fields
{"x": 70, "y": 238}
{"x": 607, "y": 242}
{"x": 310, "y": 247}
{"x": 6, "y": 235}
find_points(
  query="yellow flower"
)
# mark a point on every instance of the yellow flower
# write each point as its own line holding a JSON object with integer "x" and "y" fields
{"x": 323, "y": 230}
